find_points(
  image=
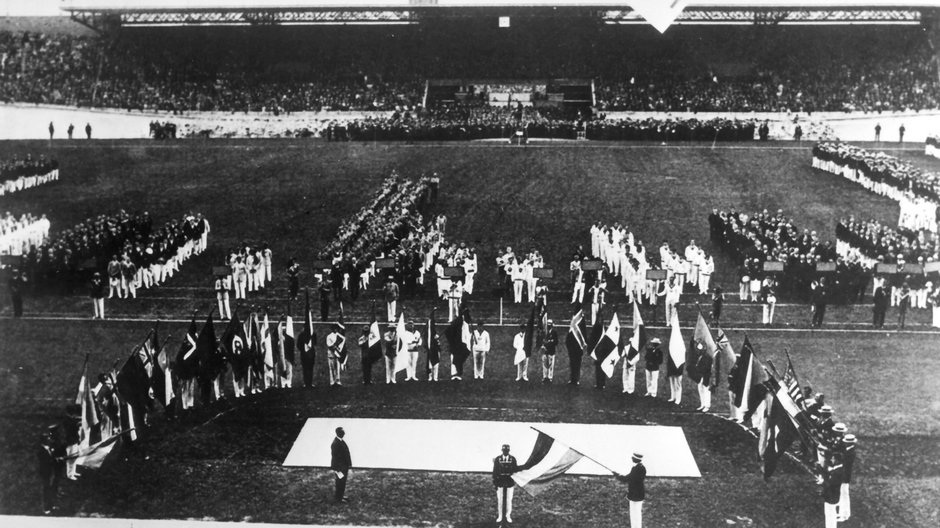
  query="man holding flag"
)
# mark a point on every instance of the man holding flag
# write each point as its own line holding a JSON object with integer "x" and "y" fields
{"x": 607, "y": 352}
{"x": 434, "y": 348}
{"x": 286, "y": 355}
{"x": 503, "y": 468}
{"x": 701, "y": 360}
{"x": 335, "y": 342}
{"x": 306, "y": 344}
{"x": 575, "y": 344}
{"x": 653, "y": 359}
{"x": 676, "y": 361}
{"x": 636, "y": 344}
{"x": 636, "y": 489}
{"x": 413, "y": 344}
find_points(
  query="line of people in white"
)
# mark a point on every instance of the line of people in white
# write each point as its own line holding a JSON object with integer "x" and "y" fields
{"x": 27, "y": 182}
{"x": 18, "y": 234}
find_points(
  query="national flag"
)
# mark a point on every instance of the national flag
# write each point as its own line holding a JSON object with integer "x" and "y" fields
{"x": 528, "y": 338}
{"x": 597, "y": 331}
{"x": 234, "y": 346}
{"x": 793, "y": 385}
{"x": 133, "y": 383}
{"x": 725, "y": 355}
{"x": 375, "y": 338}
{"x": 676, "y": 346}
{"x": 94, "y": 455}
{"x": 459, "y": 338}
{"x": 206, "y": 350}
{"x": 747, "y": 381}
{"x": 267, "y": 344}
{"x": 549, "y": 460}
{"x": 776, "y": 435}
{"x": 434, "y": 348}
{"x": 289, "y": 341}
{"x": 638, "y": 339}
{"x": 255, "y": 356}
{"x": 161, "y": 381}
{"x": 702, "y": 353}
{"x": 343, "y": 351}
{"x": 401, "y": 348}
{"x": 186, "y": 362}
{"x": 574, "y": 341}
{"x": 607, "y": 352}
{"x": 89, "y": 409}
{"x": 307, "y": 338}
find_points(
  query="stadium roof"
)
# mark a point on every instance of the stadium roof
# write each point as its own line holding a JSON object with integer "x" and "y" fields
{"x": 658, "y": 13}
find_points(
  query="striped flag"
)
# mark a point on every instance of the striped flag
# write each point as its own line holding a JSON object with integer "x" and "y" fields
{"x": 701, "y": 353}
{"x": 607, "y": 352}
{"x": 575, "y": 339}
{"x": 549, "y": 460}
{"x": 793, "y": 386}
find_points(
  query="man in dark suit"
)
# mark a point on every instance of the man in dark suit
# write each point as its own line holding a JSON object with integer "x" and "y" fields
{"x": 880, "y": 307}
{"x": 340, "y": 462}
{"x": 503, "y": 467}
{"x": 636, "y": 490}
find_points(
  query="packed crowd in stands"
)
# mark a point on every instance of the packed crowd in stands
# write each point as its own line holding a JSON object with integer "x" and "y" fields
{"x": 233, "y": 71}
{"x": 17, "y": 235}
{"x": 19, "y": 174}
{"x": 503, "y": 122}
{"x": 123, "y": 251}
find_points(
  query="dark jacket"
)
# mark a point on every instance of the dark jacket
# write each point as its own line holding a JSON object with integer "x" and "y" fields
{"x": 654, "y": 358}
{"x": 636, "y": 482}
{"x": 503, "y": 468}
{"x": 340, "y": 459}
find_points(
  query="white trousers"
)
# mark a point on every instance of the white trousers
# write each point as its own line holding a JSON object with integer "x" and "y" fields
{"x": 629, "y": 377}
{"x": 411, "y": 370}
{"x": 845, "y": 503}
{"x": 335, "y": 371}
{"x": 703, "y": 280}
{"x": 479, "y": 364}
{"x": 548, "y": 367}
{"x": 389, "y": 369}
{"x": 769, "y": 313}
{"x": 704, "y": 396}
{"x": 392, "y": 307}
{"x": 499, "y": 503}
{"x": 652, "y": 382}
{"x": 636, "y": 514}
{"x": 225, "y": 309}
{"x": 522, "y": 370}
{"x": 99, "y": 307}
{"x": 830, "y": 511}
{"x": 577, "y": 295}
{"x": 517, "y": 291}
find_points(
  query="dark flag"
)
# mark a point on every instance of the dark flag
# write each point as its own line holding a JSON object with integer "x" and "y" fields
{"x": 375, "y": 339}
{"x": 458, "y": 337}
{"x": 206, "y": 350}
{"x": 186, "y": 362}
{"x": 255, "y": 353}
{"x": 597, "y": 331}
{"x": 290, "y": 343}
{"x": 343, "y": 351}
{"x": 576, "y": 344}
{"x": 234, "y": 347}
{"x": 308, "y": 337}
{"x": 776, "y": 435}
{"x": 161, "y": 382}
{"x": 528, "y": 339}
{"x": 607, "y": 351}
{"x": 638, "y": 339}
{"x": 434, "y": 346}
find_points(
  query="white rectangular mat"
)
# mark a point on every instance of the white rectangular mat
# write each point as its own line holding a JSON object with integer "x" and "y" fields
{"x": 471, "y": 446}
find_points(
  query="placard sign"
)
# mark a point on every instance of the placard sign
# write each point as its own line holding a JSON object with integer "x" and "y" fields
{"x": 913, "y": 268}
{"x": 322, "y": 264}
{"x": 543, "y": 273}
{"x": 455, "y": 272}
{"x": 773, "y": 266}
{"x": 932, "y": 267}
{"x": 825, "y": 267}
{"x": 884, "y": 268}
{"x": 655, "y": 274}
{"x": 9, "y": 260}
{"x": 592, "y": 265}
{"x": 385, "y": 263}
{"x": 221, "y": 271}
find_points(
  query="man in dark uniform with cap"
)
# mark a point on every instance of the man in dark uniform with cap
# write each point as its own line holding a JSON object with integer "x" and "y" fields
{"x": 503, "y": 467}
{"x": 833, "y": 476}
{"x": 653, "y": 358}
{"x": 636, "y": 489}
{"x": 340, "y": 462}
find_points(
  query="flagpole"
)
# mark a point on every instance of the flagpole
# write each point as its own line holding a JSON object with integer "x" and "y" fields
{"x": 790, "y": 362}
{"x": 578, "y": 452}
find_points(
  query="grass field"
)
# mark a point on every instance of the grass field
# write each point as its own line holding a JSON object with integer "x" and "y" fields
{"x": 224, "y": 461}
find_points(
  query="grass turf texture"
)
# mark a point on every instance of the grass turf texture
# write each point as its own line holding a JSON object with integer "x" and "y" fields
{"x": 294, "y": 194}
{"x": 224, "y": 461}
